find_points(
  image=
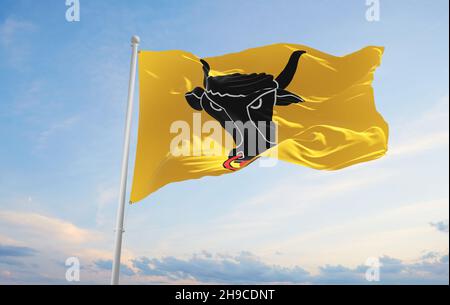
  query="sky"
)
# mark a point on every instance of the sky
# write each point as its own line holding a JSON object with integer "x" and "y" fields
{"x": 62, "y": 115}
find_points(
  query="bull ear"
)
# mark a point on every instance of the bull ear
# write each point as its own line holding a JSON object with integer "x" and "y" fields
{"x": 194, "y": 98}
{"x": 285, "y": 98}
{"x": 285, "y": 77}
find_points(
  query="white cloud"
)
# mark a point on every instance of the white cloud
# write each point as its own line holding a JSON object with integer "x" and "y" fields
{"x": 50, "y": 228}
{"x": 441, "y": 226}
{"x": 51, "y": 240}
{"x": 246, "y": 268}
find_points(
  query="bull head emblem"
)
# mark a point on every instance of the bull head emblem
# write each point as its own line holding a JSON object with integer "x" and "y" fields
{"x": 243, "y": 105}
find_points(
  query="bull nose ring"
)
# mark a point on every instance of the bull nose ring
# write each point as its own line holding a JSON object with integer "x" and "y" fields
{"x": 228, "y": 164}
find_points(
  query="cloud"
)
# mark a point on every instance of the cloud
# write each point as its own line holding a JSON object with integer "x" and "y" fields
{"x": 245, "y": 268}
{"x": 14, "y": 251}
{"x": 107, "y": 265}
{"x": 51, "y": 227}
{"x": 55, "y": 240}
{"x": 430, "y": 269}
{"x": 13, "y": 257}
{"x": 441, "y": 226}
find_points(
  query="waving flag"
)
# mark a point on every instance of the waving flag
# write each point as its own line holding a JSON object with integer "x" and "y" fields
{"x": 214, "y": 116}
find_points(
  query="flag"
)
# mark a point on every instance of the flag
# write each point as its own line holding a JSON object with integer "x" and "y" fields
{"x": 213, "y": 116}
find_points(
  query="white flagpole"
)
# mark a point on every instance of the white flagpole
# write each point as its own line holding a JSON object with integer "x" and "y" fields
{"x": 126, "y": 151}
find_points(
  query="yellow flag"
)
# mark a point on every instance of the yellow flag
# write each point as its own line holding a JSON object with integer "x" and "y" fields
{"x": 213, "y": 116}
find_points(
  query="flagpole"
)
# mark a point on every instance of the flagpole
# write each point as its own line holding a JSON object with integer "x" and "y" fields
{"x": 123, "y": 178}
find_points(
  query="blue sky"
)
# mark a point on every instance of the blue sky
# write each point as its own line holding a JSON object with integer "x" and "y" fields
{"x": 62, "y": 107}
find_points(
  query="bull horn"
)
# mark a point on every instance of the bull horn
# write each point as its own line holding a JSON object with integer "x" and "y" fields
{"x": 206, "y": 69}
{"x": 285, "y": 78}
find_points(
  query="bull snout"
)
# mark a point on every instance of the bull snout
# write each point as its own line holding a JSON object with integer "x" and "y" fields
{"x": 251, "y": 138}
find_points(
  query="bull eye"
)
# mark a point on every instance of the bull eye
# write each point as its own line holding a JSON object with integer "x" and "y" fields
{"x": 215, "y": 107}
{"x": 257, "y": 105}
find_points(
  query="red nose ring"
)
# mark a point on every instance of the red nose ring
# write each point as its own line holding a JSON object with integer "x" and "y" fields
{"x": 227, "y": 164}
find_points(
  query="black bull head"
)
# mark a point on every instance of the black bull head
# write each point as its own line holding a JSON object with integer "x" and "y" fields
{"x": 243, "y": 105}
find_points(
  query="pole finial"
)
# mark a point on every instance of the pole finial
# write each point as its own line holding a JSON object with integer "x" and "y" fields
{"x": 135, "y": 39}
